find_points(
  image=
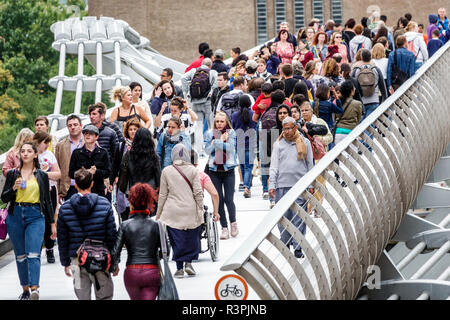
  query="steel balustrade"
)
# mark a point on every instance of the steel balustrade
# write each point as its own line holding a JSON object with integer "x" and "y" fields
{"x": 391, "y": 154}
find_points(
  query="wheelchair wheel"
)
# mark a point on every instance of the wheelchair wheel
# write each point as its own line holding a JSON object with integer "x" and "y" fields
{"x": 213, "y": 237}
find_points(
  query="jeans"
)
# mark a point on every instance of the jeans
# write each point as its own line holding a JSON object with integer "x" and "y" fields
{"x": 369, "y": 109}
{"x": 203, "y": 112}
{"x": 246, "y": 168}
{"x": 142, "y": 284}
{"x": 224, "y": 184}
{"x": 285, "y": 236}
{"x": 26, "y": 231}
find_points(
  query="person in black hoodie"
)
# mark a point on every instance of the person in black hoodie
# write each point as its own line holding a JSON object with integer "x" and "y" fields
{"x": 86, "y": 216}
{"x": 93, "y": 158}
{"x": 221, "y": 89}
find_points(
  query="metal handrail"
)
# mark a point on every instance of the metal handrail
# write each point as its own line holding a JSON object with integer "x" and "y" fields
{"x": 244, "y": 255}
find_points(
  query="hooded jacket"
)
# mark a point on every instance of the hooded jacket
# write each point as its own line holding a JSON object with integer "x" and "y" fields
{"x": 90, "y": 212}
{"x": 419, "y": 45}
{"x": 355, "y": 42}
{"x": 432, "y": 19}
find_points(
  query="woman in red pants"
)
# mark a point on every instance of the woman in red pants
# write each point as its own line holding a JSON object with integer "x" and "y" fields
{"x": 140, "y": 234}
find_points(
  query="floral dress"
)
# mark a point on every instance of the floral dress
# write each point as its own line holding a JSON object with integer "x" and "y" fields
{"x": 285, "y": 52}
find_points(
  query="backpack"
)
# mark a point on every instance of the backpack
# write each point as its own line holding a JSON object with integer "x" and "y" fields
{"x": 410, "y": 47}
{"x": 398, "y": 76}
{"x": 367, "y": 80}
{"x": 317, "y": 147}
{"x": 269, "y": 118}
{"x": 230, "y": 103}
{"x": 93, "y": 255}
{"x": 200, "y": 85}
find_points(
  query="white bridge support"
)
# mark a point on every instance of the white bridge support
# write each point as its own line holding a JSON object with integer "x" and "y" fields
{"x": 392, "y": 154}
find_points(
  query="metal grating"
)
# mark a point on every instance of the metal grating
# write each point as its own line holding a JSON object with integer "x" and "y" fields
{"x": 299, "y": 14}
{"x": 261, "y": 21}
{"x": 336, "y": 11}
{"x": 280, "y": 13}
{"x": 317, "y": 7}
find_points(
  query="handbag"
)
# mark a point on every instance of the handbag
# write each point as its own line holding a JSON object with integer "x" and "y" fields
{"x": 342, "y": 116}
{"x": 317, "y": 147}
{"x": 3, "y": 215}
{"x": 167, "y": 289}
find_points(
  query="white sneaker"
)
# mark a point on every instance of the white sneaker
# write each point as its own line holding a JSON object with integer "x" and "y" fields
{"x": 234, "y": 229}
{"x": 34, "y": 295}
{"x": 265, "y": 195}
{"x": 225, "y": 234}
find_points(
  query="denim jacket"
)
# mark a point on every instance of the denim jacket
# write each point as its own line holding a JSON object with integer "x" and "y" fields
{"x": 229, "y": 147}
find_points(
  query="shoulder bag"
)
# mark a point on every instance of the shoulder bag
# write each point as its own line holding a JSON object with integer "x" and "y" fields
{"x": 335, "y": 125}
{"x": 167, "y": 289}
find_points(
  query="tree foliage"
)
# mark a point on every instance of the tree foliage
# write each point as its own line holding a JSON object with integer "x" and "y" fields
{"x": 28, "y": 61}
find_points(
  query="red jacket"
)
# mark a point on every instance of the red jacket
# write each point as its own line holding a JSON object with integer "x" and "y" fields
{"x": 197, "y": 63}
{"x": 261, "y": 99}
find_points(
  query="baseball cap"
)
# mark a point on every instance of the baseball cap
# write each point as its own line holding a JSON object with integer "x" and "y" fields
{"x": 90, "y": 128}
{"x": 218, "y": 53}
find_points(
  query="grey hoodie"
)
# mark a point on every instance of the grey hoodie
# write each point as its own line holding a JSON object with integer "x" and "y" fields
{"x": 356, "y": 41}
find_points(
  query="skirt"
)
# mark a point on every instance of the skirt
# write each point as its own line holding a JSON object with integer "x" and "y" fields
{"x": 185, "y": 244}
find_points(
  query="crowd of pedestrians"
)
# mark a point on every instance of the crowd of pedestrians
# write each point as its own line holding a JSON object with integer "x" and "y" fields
{"x": 272, "y": 113}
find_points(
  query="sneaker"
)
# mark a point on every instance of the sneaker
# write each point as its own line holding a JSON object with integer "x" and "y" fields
{"x": 50, "y": 256}
{"x": 25, "y": 295}
{"x": 298, "y": 254}
{"x": 265, "y": 195}
{"x": 234, "y": 229}
{"x": 241, "y": 187}
{"x": 189, "y": 269}
{"x": 225, "y": 234}
{"x": 247, "y": 193}
{"x": 179, "y": 273}
{"x": 34, "y": 295}
{"x": 272, "y": 204}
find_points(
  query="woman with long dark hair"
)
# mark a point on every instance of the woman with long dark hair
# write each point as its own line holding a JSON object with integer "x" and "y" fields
{"x": 162, "y": 93}
{"x": 136, "y": 91}
{"x": 141, "y": 163}
{"x": 245, "y": 129}
{"x": 27, "y": 190}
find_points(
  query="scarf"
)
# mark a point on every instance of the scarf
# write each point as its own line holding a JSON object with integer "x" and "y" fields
{"x": 299, "y": 143}
{"x": 220, "y": 157}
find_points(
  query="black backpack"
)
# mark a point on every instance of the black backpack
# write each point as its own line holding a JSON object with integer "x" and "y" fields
{"x": 230, "y": 103}
{"x": 200, "y": 85}
{"x": 398, "y": 76}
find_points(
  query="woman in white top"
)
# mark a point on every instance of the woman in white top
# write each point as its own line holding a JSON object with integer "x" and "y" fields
{"x": 418, "y": 46}
{"x": 48, "y": 164}
{"x": 136, "y": 90}
{"x": 180, "y": 108}
{"x": 379, "y": 58}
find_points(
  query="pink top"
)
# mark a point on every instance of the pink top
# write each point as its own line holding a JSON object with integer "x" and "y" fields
{"x": 204, "y": 179}
{"x": 285, "y": 52}
{"x": 343, "y": 52}
{"x": 12, "y": 161}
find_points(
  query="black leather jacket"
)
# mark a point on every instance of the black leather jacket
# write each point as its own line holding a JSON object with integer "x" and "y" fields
{"x": 9, "y": 195}
{"x": 140, "y": 234}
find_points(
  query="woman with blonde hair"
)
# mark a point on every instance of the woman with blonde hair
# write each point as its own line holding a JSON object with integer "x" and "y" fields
{"x": 416, "y": 44}
{"x": 12, "y": 160}
{"x": 126, "y": 109}
{"x": 379, "y": 58}
{"x": 220, "y": 145}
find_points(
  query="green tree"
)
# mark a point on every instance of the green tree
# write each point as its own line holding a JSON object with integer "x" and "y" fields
{"x": 28, "y": 61}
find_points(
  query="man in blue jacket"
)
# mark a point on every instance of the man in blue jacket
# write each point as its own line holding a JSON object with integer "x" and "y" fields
{"x": 86, "y": 215}
{"x": 406, "y": 61}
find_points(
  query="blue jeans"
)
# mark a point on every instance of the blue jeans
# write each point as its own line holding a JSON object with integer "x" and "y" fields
{"x": 285, "y": 236}
{"x": 369, "y": 109}
{"x": 26, "y": 230}
{"x": 246, "y": 168}
{"x": 224, "y": 184}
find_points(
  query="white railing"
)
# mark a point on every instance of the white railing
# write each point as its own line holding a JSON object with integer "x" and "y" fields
{"x": 408, "y": 134}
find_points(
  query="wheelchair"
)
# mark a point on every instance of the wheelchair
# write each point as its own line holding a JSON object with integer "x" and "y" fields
{"x": 210, "y": 233}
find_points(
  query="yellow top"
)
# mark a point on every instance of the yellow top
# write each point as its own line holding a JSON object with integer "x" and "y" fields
{"x": 30, "y": 194}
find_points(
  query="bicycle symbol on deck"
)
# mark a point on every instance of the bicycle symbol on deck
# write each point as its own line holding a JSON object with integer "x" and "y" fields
{"x": 233, "y": 290}
{"x": 231, "y": 287}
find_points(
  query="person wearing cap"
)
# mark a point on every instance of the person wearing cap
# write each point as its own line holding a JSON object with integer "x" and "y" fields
{"x": 93, "y": 158}
{"x": 251, "y": 66}
{"x": 218, "y": 64}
